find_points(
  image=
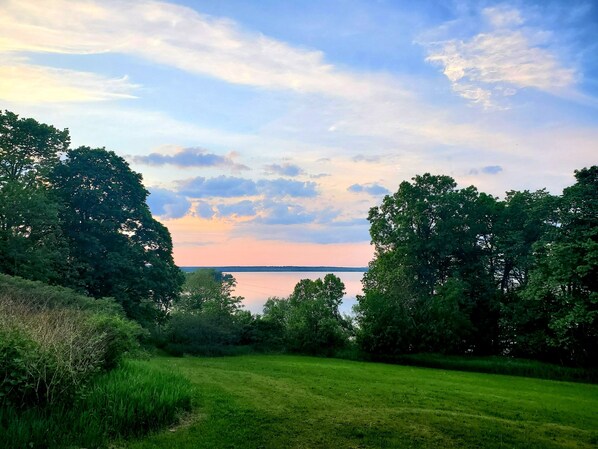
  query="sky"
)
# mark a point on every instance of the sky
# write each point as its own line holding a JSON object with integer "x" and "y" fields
{"x": 265, "y": 130}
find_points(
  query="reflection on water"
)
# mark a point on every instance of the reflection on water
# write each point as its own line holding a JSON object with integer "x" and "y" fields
{"x": 256, "y": 288}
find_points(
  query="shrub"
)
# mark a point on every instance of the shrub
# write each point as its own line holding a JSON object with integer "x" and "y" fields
{"x": 54, "y": 351}
{"x": 14, "y": 380}
{"x": 52, "y": 345}
{"x": 120, "y": 336}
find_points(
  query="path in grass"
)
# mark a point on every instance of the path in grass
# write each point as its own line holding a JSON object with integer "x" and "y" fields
{"x": 303, "y": 402}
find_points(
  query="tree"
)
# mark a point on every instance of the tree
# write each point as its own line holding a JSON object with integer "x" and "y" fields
{"x": 31, "y": 243}
{"x": 523, "y": 220}
{"x": 28, "y": 149}
{"x": 207, "y": 290}
{"x": 434, "y": 254}
{"x": 208, "y": 318}
{"x": 117, "y": 248}
{"x": 309, "y": 319}
{"x": 563, "y": 286}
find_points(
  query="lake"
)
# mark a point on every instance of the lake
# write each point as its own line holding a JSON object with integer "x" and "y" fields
{"x": 257, "y": 287}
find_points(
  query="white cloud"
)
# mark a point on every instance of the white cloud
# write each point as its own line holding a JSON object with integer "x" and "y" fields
{"x": 497, "y": 62}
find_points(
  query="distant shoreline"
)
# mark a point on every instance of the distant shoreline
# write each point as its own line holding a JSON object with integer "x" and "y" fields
{"x": 273, "y": 269}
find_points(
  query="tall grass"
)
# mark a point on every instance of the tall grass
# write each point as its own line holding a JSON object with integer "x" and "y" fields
{"x": 131, "y": 400}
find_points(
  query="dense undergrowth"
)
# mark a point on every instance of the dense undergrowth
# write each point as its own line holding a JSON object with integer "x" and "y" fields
{"x": 129, "y": 401}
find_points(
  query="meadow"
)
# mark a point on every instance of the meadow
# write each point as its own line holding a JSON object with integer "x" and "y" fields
{"x": 264, "y": 401}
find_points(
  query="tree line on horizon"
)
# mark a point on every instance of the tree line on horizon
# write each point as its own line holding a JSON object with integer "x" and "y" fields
{"x": 456, "y": 271}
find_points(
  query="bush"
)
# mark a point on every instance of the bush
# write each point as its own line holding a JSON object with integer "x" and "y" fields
{"x": 120, "y": 336}
{"x": 52, "y": 346}
{"x": 15, "y": 382}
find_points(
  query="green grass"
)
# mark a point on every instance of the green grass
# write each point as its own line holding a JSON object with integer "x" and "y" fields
{"x": 497, "y": 365}
{"x": 131, "y": 400}
{"x": 265, "y": 401}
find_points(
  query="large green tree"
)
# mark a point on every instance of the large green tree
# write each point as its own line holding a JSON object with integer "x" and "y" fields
{"x": 117, "y": 248}
{"x": 563, "y": 287}
{"x": 31, "y": 243}
{"x": 430, "y": 286}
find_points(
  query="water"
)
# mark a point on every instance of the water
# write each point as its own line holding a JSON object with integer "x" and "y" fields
{"x": 257, "y": 287}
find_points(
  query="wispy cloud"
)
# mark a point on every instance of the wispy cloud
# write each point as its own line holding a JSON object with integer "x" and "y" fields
{"x": 487, "y": 170}
{"x": 190, "y": 157}
{"x": 167, "y": 204}
{"x": 285, "y": 169}
{"x": 503, "y": 16}
{"x": 360, "y": 104}
{"x": 497, "y": 62}
{"x": 29, "y": 83}
{"x": 231, "y": 187}
{"x": 245, "y": 208}
{"x": 372, "y": 188}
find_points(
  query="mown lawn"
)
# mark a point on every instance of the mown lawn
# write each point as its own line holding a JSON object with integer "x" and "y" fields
{"x": 302, "y": 402}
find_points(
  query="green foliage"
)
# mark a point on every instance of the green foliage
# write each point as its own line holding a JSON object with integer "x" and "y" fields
{"x": 117, "y": 248}
{"x": 201, "y": 334}
{"x": 207, "y": 291}
{"x": 51, "y": 349}
{"x": 15, "y": 383}
{"x": 563, "y": 287}
{"x": 39, "y": 295}
{"x": 433, "y": 247}
{"x": 79, "y": 218}
{"x": 128, "y": 402}
{"x": 208, "y": 319}
{"x": 31, "y": 241}
{"x": 28, "y": 149}
{"x": 120, "y": 337}
{"x": 309, "y": 320}
{"x": 459, "y": 272}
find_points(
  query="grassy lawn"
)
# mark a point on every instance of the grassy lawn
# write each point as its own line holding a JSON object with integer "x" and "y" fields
{"x": 302, "y": 402}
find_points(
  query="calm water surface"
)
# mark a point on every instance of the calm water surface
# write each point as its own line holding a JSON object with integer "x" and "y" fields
{"x": 256, "y": 288}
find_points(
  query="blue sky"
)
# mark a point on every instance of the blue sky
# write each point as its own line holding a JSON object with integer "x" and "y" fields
{"x": 266, "y": 130}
